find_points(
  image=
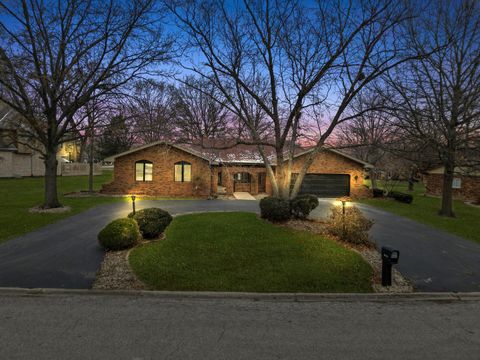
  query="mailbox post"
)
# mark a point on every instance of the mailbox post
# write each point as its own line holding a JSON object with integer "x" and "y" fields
{"x": 389, "y": 258}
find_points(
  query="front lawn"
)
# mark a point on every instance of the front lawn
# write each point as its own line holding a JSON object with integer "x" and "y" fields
{"x": 240, "y": 252}
{"x": 18, "y": 195}
{"x": 424, "y": 209}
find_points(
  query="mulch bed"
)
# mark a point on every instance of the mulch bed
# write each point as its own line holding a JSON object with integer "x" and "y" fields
{"x": 41, "y": 210}
{"x": 369, "y": 253}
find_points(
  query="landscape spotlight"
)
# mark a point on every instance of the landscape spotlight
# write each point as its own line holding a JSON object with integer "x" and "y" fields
{"x": 133, "y": 203}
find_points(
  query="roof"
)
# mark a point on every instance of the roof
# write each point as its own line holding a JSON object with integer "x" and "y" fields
{"x": 457, "y": 171}
{"x": 239, "y": 154}
{"x": 179, "y": 147}
{"x": 364, "y": 163}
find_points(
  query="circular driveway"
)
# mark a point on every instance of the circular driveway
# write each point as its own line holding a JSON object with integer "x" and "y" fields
{"x": 66, "y": 254}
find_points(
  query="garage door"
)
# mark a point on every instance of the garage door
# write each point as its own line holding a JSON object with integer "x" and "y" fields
{"x": 326, "y": 185}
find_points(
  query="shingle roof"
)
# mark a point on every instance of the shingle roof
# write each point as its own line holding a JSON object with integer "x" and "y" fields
{"x": 240, "y": 154}
{"x": 177, "y": 146}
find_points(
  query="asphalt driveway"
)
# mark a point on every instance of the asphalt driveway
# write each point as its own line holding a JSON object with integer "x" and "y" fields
{"x": 66, "y": 254}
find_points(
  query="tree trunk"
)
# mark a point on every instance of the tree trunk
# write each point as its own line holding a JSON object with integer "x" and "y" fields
{"x": 282, "y": 178}
{"x": 51, "y": 196}
{"x": 373, "y": 178}
{"x": 411, "y": 179}
{"x": 447, "y": 192}
{"x": 90, "y": 161}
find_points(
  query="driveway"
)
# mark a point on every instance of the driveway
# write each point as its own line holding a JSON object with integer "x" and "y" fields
{"x": 433, "y": 260}
{"x": 66, "y": 254}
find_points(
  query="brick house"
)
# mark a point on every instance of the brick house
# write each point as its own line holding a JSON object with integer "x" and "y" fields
{"x": 466, "y": 184}
{"x": 164, "y": 169}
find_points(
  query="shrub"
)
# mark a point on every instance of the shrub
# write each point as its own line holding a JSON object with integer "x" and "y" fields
{"x": 402, "y": 197}
{"x": 353, "y": 228}
{"x": 377, "y": 193}
{"x": 302, "y": 205}
{"x": 152, "y": 221}
{"x": 119, "y": 234}
{"x": 274, "y": 209}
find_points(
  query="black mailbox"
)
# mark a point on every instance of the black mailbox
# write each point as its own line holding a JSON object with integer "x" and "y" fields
{"x": 390, "y": 255}
{"x": 389, "y": 258}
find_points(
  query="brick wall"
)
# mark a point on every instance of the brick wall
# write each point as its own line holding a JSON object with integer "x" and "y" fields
{"x": 469, "y": 191}
{"x": 328, "y": 162}
{"x": 163, "y": 158}
{"x": 229, "y": 171}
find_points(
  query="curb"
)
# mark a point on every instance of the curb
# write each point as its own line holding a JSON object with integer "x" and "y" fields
{"x": 289, "y": 297}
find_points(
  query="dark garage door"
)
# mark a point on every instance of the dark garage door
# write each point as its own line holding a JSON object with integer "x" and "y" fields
{"x": 326, "y": 185}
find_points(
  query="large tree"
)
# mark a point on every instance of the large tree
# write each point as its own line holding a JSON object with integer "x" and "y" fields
{"x": 150, "y": 108}
{"x": 291, "y": 63}
{"x": 56, "y": 56}
{"x": 436, "y": 100}
{"x": 198, "y": 116}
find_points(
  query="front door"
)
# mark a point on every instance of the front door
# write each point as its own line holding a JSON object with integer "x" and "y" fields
{"x": 262, "y": 182}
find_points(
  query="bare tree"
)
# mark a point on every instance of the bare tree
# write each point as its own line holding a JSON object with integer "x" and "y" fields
{"x": 292, "y": 61}
{"x": 437, "y": 100}
{"x": 198, "y": 114}
{"x": 56, "y": 56}
{"x": 151, "y": 111}
{"x": 367, "y": 136}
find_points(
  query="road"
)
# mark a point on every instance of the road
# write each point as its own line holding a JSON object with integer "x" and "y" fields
{"x": 134, "y": 327}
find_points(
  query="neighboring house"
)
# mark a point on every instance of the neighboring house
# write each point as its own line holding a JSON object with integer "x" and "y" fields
{"x": 466, "y": 183}
{"x": 163, "y": 169}
{"x": 19, "y": 160}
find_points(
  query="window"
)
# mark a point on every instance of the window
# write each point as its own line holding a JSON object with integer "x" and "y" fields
{"x": 457, "y": 183}
{"x": 143, "y": 170}
{"x": 183, "y": 171}
{"x": 242, "y": 177}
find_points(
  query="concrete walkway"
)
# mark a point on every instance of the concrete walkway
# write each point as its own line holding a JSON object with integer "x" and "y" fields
{"x": 242, "y": 195}
{"x": 66, "y": 254}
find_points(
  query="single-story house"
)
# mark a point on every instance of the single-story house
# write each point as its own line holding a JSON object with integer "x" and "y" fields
{"x": 466, "y": 183}
{"x": 166, "y": 169}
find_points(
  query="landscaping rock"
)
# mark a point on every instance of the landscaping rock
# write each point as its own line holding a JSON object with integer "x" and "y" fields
{"x": 116, "y": 274}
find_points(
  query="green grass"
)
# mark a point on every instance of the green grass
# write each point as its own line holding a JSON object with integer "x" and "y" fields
{"x": 240, "y": 252}
{"x": 18, "y": 195}
{"x": 424, "y": 209}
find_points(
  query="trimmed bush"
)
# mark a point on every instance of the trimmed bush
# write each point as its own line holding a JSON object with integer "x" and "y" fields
{"x": 119, "y": 234}
{"x": 274, "y": 209}
{"x": 402, "y": 197}
{"x": 377, "y": 193}
{"x": 302, "y": 205}
{"x": 152, "y": 221}
{"x": 353, "y": 228}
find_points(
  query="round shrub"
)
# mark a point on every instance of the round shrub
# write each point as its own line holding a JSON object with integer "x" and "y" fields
{"x": 302, "y": 205}
{"x": 274, "y": 209}
{"x": 152, "y": 221}
{"x": 119, "y": 234}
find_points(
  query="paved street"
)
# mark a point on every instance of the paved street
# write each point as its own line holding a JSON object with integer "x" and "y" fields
{"x": 66, "y": 254}
{"x": 131, "y": 327}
